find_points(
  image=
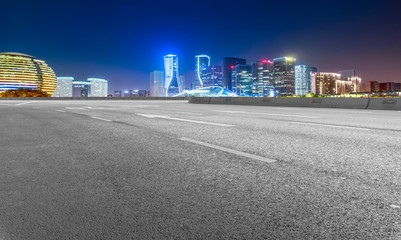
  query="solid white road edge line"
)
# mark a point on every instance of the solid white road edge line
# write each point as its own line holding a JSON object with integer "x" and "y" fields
{"x": 103, "y": 119}
{"x": 334, "y": 126}
{"x": 224, "y": 149}
{"x": 184, "y": 120}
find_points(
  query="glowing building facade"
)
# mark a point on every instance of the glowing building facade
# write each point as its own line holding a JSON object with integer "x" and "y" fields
{"x": 284, "y": 75}
{"x": 64, "y": 87}
{"x": 262, "y": 75}
{"x": 157, "y": 84}
{"x": 212, "y": 76}
{"x": 212, "y": 91}
{"x": 303, "y": 79}
{"x": 242, "y": 80}
{"x": 229, "y": 64}
{"x": 19, "y": 70}
{"x": 98, "y": 87}
{"x": 172, "y": 84}
{"x": 202, "y": 62}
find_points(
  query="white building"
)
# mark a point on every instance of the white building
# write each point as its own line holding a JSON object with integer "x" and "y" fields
{"x": 98, "y": 87}
{"x": 64, "y": 87}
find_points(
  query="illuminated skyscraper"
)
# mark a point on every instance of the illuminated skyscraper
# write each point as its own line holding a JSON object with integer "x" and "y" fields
{"x": 229, "y": 65}
{"x": 172, "y": 84}
{"x": 202, "y": 62}
{"x": 242, "y": 80}
{"x": 64, "y": 87}
{"x": 303, "y": 79}
{"x": 262, "y": 75}
{"x": 212, "y": 76}
{"x": 98, "y": 87}
{"x": 284, "y": 76}
{"x": 157, "y": 84}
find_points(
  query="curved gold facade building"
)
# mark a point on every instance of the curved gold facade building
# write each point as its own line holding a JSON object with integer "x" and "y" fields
{"x": 19, "y": 70}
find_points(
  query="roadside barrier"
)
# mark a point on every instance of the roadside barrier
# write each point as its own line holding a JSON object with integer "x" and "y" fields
{"x": 352, "y": 103}
{"x": 385, "y": 103}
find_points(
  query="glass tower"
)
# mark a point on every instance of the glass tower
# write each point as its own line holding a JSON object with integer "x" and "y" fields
{"x": 242, "y": 80}
{"x": 212, "y": 76}
{"x": 172, "y": 84}
{"x": 263, "y": 85}
{"x": 284, "y": 76}
{"x": 157, "y": 84}
{"x": 228, "y": 67}
{"x": 202, "y": 62}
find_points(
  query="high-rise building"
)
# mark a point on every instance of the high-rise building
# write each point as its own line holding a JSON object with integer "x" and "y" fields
{"x": 202, "y": 61}
{"x": 98, "y": 87}
{"x": 172, "y": 84}
{"x": 212, "y": 76}
{"x": 157, "y": 84}
{"x": 242, "y": 80}
{"x": 284, "y": 75}
{"x": 303, "y": 79}
{"x": 262, "y": 75}
{"x": 64, "y": 87}
{"x": 229, "y": 64}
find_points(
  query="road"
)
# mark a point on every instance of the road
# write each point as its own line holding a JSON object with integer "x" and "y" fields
{"x": 173, "y": 170}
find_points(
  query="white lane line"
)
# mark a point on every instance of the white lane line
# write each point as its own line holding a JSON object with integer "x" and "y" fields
{"x": 224, "y": 149}
{"x": 184, "y": 120}
{"x": 60, "y": 110}
{"x": 268, "y": 114}
{"x": 103, "y": 119}
{"x": 328, "y": 125}
{"x": 23, "y": 103}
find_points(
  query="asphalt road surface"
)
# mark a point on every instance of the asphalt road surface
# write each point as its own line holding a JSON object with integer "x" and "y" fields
{"x": 173, "y": 170}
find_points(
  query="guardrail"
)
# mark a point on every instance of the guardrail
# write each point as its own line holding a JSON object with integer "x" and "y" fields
{"x": 350, "y": 103}
{"x": 96, "y": 98}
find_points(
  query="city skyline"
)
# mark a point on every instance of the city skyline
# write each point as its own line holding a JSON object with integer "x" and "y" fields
{"x": 127, "y": 42}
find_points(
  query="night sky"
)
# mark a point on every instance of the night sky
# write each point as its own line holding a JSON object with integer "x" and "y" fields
{"x": 123, "y": 41}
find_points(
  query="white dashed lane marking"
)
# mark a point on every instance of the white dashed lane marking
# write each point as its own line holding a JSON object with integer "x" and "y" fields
{"x": 102, "y": 119}
{"x": 184, "y": 120}
{"x": 224, "y": 149}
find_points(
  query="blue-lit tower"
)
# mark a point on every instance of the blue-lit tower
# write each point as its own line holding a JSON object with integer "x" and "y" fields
{"x": 202, "y": 62}
{"x": 172, "y": 84}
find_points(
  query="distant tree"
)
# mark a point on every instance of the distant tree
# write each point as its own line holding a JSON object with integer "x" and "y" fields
{"x": 23, "y": 92}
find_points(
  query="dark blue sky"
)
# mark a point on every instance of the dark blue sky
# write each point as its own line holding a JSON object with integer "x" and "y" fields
{"x": 123, "y": 41}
